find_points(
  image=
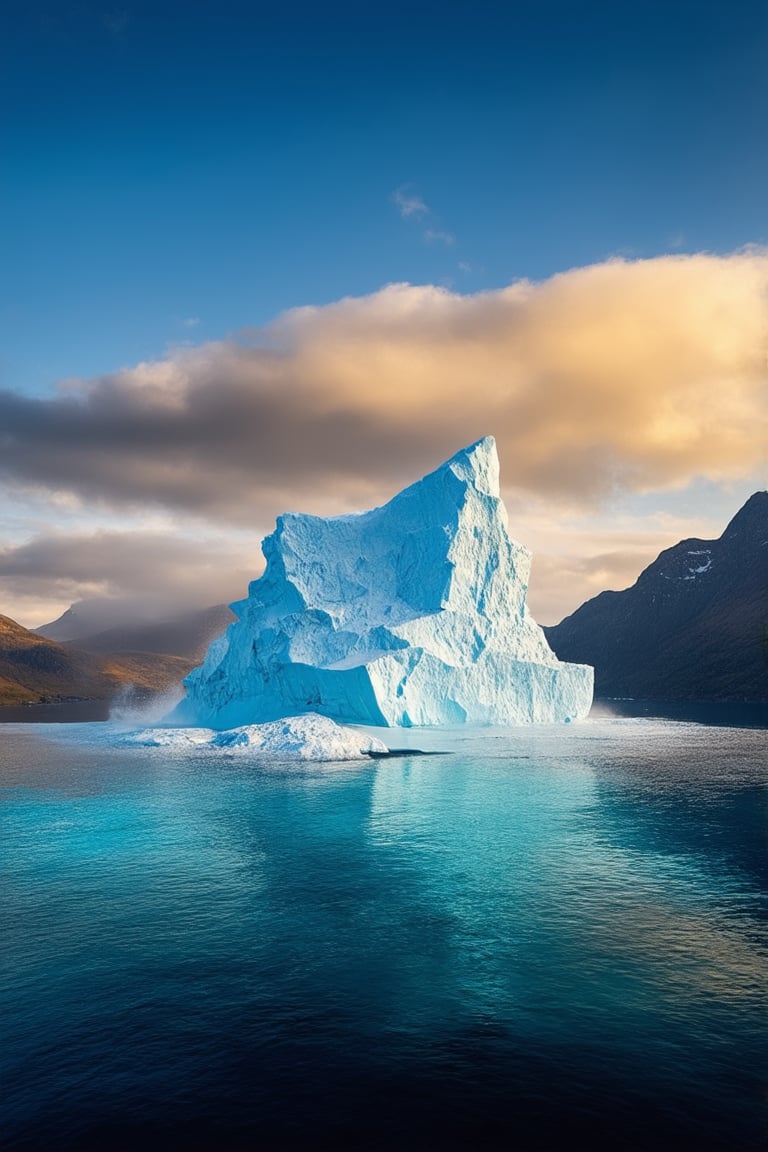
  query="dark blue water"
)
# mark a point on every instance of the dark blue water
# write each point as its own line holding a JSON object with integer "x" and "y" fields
{"x": 547, "y": 938}
{"x": 70, "y": 712}
{"x": 721, "y": 713}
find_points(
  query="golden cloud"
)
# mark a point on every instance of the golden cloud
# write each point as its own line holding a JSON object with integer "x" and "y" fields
{"x": 639, "y": 374}
{"x": 631, "y": 375}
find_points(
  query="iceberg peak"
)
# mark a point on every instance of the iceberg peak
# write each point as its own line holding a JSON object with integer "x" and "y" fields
{"x": 478, "y": 465}
{"x": 411, "y": 614}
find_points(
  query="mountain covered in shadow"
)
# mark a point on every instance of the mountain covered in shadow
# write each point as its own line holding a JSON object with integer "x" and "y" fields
{"x": 694, "y": 625}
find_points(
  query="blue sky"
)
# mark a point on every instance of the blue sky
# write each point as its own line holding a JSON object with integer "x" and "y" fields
{"x": 221, "y": 162}
{"x": 176, "y": 174}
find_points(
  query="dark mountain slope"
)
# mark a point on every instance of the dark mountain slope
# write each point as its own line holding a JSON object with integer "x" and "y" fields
{"x": 693, "y": 626}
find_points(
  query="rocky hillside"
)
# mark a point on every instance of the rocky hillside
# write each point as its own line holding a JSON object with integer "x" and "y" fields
{"x": 150, "y": 657}
{"x": 33, "y": 669}
{"x": 693, "y": 626}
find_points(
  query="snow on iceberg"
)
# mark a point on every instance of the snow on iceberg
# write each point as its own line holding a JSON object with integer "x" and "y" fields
{"x": 309, "y": 737}
{"x": 410, "y": 614}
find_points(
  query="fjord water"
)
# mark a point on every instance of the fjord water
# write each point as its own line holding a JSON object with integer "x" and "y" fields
{"x": 551, "y": 935}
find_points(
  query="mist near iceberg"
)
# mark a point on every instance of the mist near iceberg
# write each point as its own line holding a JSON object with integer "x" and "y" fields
{"x": 412, "y": 614}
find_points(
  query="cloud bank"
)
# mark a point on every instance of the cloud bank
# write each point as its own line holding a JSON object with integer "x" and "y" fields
{"x": 619, "y": 376}
{"x": 45, "y": 575}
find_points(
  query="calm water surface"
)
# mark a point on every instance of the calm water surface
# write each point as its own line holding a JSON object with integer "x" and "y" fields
{"x": 549, "y": 936}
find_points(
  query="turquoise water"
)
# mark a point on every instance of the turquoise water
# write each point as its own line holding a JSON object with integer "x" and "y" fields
{"x": 548, "y": 936}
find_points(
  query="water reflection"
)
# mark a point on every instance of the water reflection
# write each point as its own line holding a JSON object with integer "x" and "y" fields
{"x": 563, "y": 933}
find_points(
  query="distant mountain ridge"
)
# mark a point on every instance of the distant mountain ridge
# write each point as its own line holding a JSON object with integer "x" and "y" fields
{"x": 693, "y": 626}
{"x": 185, "y": 635}
{"x": 101, "y": 613}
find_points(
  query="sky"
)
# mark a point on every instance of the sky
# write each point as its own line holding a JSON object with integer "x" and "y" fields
{"x": 258, "y": 258}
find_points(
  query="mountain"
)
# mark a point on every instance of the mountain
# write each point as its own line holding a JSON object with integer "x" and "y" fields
{"x": 155, "y": 656}
{"x": 693, "y": 626}
{"x": 186, "y": 635}
{"x": 412, "y": 614}
{"x": 35, "y": 669}
{"x": 150, "y": 657}
{"x": 88, "y": 617}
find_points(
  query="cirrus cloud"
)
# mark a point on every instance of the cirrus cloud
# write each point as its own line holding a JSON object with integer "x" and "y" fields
{"x": 409, "y": 204}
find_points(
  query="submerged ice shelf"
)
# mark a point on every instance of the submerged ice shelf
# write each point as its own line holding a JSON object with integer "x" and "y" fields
{"x": 410, "y": 614}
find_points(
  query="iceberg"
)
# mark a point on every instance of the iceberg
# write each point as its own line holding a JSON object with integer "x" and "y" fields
{"x": 411, "y": 614}
{"x": 309, "y": 737}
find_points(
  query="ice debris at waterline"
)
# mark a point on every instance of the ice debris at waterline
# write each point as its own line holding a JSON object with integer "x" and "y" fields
{"x": 308, "y": 737}
{"x": 411, "y": 614}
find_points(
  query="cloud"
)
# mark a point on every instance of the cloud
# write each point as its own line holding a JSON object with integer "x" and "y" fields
{"x": 560, "y": 583}
{"x": 621, "y": 376}
{"x": 409, "y": 204}
{"x": 42, "y": 577}
{"x": 436, "y": 236}
{"x": 576, "y": 557}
